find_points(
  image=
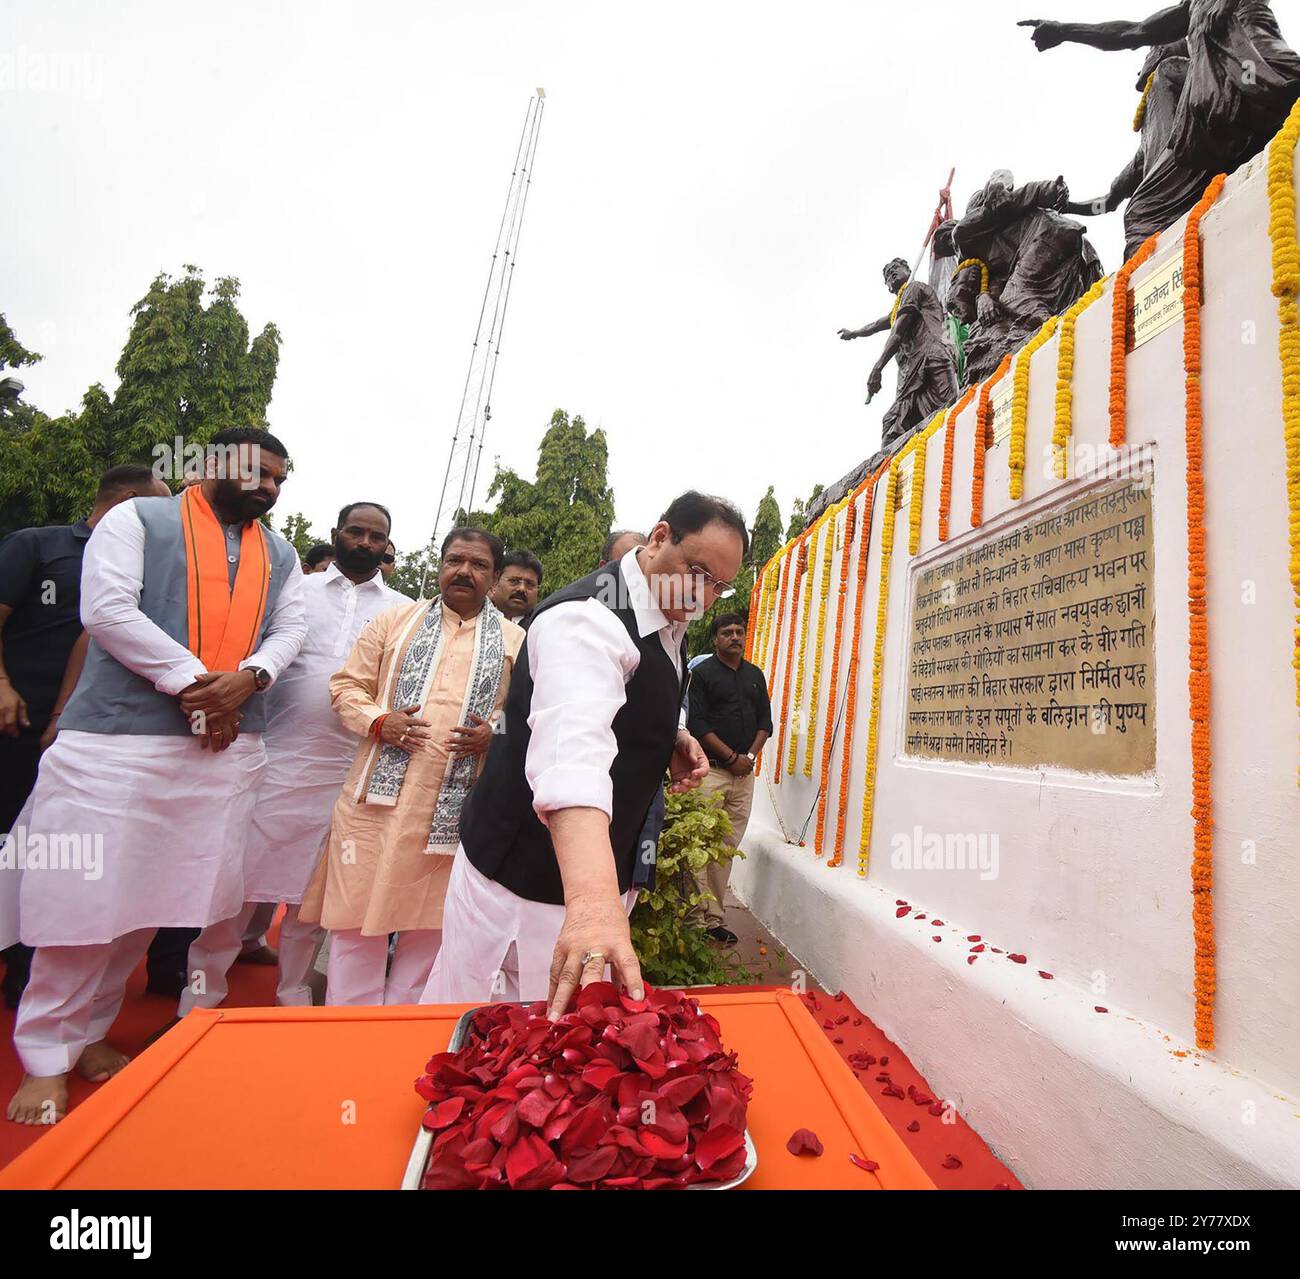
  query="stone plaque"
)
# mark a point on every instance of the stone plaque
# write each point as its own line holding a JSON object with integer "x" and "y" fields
{"x": 1033, "y": 647}
{"x": 1000, "y": 408}
{"x": 1158, "y": 300}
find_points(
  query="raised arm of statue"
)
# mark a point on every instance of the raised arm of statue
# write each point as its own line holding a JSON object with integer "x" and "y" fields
{"x": 867, "y": 330}
{"x": 1120, "y": 190}
{"x": 1160, "y": 28}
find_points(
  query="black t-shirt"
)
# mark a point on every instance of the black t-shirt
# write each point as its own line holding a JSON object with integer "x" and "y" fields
{"x": 40, "y": 579}
{"x": 732, "y": 704}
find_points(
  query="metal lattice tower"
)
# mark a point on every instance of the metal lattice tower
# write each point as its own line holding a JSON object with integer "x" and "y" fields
{"x": 460, "y": 479}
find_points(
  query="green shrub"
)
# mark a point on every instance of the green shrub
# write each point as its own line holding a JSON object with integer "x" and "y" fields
{"x": 668, "y": 923}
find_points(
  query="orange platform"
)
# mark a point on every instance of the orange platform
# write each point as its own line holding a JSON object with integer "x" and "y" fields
{"x": 323, "y": 1098}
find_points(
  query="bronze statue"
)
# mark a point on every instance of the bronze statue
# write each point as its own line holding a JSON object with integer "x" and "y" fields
{"x": 1159, "y": 189}
{"x": 1241, "y": 81}
{"x": 1022, "y": 261}
{"x": 927, "y": 362}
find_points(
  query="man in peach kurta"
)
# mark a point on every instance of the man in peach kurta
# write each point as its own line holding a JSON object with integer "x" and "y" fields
{"x": 388, "y": 857}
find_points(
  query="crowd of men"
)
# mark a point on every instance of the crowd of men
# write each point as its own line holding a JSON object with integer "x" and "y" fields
{"x": 463, "y": 793}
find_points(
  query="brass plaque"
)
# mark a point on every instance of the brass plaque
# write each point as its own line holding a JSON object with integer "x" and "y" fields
{"x": 1033, "y": 647}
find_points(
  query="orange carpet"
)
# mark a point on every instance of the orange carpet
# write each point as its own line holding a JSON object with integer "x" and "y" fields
{"x": 251, "y": 986}
{"x": 952, "y": 1154}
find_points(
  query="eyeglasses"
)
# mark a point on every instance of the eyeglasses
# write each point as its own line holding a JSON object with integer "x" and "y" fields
{"x": 723, "y": 590}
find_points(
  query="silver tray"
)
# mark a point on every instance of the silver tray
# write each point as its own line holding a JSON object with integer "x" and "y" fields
{"x": 419, "y": 1159}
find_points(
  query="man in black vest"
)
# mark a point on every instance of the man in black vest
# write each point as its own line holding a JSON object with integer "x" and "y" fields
{"x": 542, "y": 883}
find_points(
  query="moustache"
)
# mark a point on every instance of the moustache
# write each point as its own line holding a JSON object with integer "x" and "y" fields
{"x": 466, "y": 582}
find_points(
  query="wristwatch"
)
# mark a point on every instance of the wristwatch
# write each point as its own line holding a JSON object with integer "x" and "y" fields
{"x": 261, "y": 678}
{"x": 749, "y": 755}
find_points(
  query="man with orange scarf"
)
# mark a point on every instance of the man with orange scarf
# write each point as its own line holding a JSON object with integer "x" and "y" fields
{"x": 143, "y": 803}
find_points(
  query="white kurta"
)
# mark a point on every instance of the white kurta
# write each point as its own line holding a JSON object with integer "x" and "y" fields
{"x": 308, "y": 750}
{"x": 155, "y": 824}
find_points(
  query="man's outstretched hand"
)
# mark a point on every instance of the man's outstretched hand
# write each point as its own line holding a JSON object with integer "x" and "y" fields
{"x": 595, "y": 929}
{"x": 1046, "y": 35}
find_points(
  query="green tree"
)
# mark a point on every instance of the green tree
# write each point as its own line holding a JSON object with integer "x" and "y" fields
{"x": 413, "y": 569}
{"x": 187, "y": 370}
{"x": 799, "y": 513}
{"x": 297, "y": 532}
{"x": 565, "y": 514}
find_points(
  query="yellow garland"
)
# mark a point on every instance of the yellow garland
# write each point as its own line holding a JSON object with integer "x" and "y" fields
{"x": 984, "y": 271}
{"x": 769, "y": 612}
{"x": 917, "y": 506}
{"x": 1142, "y": 103}
{"x": 1063, "y": 423}
{"x": 878, "y": 661}
{"x": 1020, "y": 408}
{"x": 803, "y": 650}
{"x": 827, "y": 556}
{"x": 898, "y": 301}
{"x": 1286, "y": 284}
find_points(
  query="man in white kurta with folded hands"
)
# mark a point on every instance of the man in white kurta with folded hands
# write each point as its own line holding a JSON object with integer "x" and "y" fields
{"x": 193, "y": 608}
{"x": 309, "y": 752}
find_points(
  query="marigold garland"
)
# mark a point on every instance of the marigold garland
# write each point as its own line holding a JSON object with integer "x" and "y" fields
{"x": 796, "y": 577}
{"x": 1198, "y": 651}
{"x": 808, "y": 570}
{"x": 984, "y": 271}
{"x": 751, "y": 620}
{"x": 949, "y": 442}
{"x": 828, "y": 731}
{"x": 787, "y": 569}
{"x": 916, "y": 505}
{"x": 1020, "y": 409}
{"x": 828, "y": 554}
{"x": 983, "y": 438}
{"x": 1119, "y": 341}
{"x": 850, "y": 710}
{"x": 1141, "y": 112}
{"x": 1063, "y": 421}
{"x": 1286, "y": 284}
{"x": 878, "y": 662}
{"x": 898, "y": 302}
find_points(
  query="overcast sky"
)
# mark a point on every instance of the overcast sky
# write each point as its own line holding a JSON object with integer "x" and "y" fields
{"x": 716, "y": 189}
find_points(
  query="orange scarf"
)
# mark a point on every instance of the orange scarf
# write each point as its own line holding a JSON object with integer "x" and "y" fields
{"x": 224, "y": 623}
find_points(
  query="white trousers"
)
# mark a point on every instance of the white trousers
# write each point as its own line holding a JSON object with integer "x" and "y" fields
{"x": 214, "y": 950}
{"x": 496, "y": 946}
{"x": 355, "y": 973}
{"x": 72, "y": 999}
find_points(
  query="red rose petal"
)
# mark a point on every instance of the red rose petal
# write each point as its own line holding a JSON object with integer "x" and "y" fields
{"x": 803, "y": 1141}
{"x": 1017, "y": 959}
{"x": 867, "y": 1165}
{"x": 1097, "y": 1008}
{"x": 937, "y": 1108}
{"x": 936, "y": 938}
{"x": 884, "y": 1061}
{"x": 717, "y": 1144}
{"x": 938, "y": 923}
{"x": 976, "y": 937}
{"x": 952, "y": 1163}
{"x": 1045, "y": 976}
{"x": 914, "y": 1126}
{"x": 970, "y": 959}
{"x": 901, "y": 911}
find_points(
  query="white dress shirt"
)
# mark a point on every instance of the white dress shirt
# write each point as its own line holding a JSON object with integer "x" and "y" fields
{"x": 112, "y": 577}
{"x": 580, "y": 658}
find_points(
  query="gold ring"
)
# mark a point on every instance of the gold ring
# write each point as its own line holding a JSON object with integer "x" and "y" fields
{"x": 590, "y": 955}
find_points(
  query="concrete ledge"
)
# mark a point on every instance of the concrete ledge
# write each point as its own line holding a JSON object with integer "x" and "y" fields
{"x": 1066, "y": 1096}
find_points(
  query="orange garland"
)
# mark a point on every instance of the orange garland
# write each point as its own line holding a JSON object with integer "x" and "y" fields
{"x": 864, "y": 551}
{"x": 801, "y": 564}
{"x": 1198, "y": 654}
{"x": 783, "y": 580}
{"x": 983, "y": 440}
{"x": 950, "y": 440}
{"x": 1119, "y": 341}
{"x": 850, "y": 526}
{"x": 751, "y": 619}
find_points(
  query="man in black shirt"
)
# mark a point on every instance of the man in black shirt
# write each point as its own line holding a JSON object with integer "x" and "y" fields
{"x": 730, "y": 715}
{"x": 40, "y": 623}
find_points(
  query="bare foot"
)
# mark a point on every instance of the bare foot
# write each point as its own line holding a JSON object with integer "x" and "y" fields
{"x": 99, "y": 1062}
{"x": 40, "y": 1099}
